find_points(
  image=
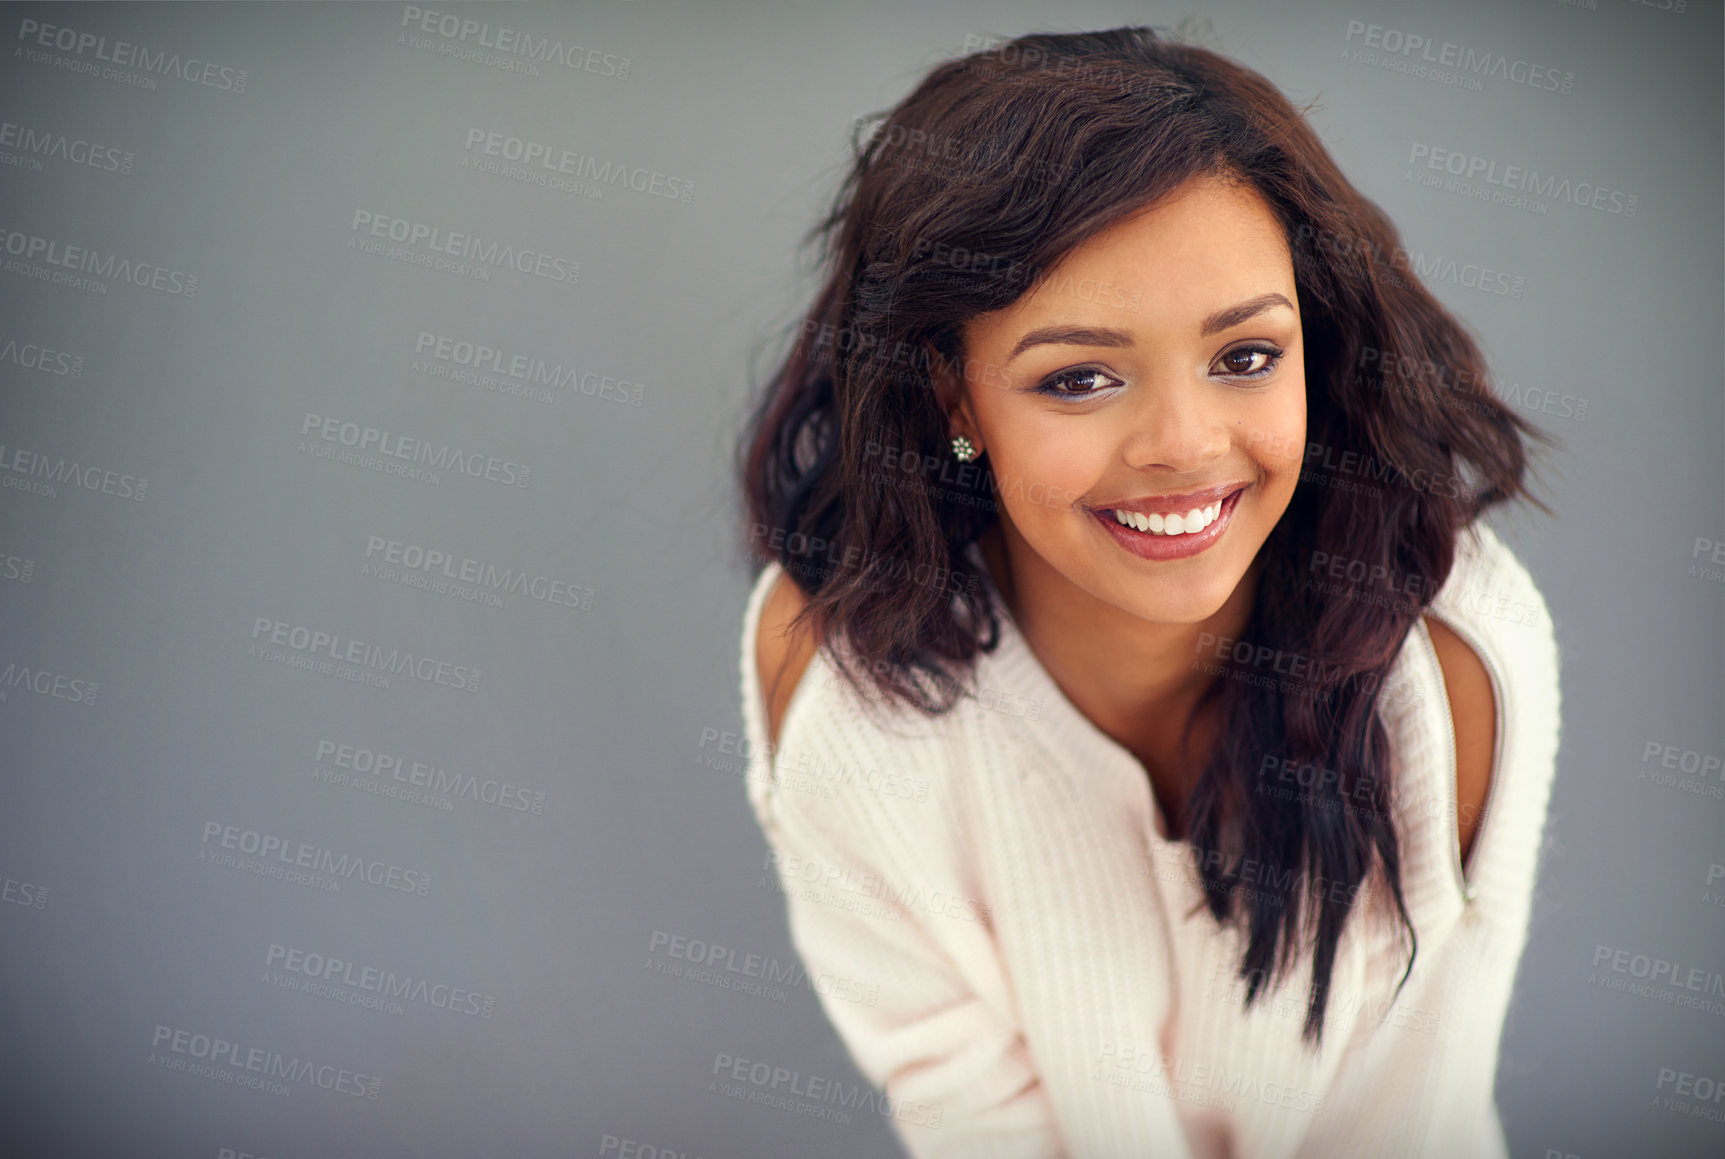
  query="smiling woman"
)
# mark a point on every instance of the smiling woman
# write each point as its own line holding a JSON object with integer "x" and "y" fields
{"x": 1134, "y": 472}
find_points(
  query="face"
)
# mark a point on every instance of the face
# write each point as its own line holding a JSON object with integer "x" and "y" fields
{"x": 1159, "y": 370}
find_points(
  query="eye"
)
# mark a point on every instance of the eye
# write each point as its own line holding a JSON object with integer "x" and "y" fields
{"x": 1237, "y": 360}
{"x": 1081, "y": 376}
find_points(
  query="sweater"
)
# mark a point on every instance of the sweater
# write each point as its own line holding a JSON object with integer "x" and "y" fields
{"x": 1020, "y": 960}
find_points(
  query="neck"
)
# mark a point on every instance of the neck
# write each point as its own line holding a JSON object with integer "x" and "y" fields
{"x": 1135, "y": 679}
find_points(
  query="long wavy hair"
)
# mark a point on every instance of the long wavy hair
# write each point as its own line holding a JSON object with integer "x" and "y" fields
{"x": 966, "y": 195}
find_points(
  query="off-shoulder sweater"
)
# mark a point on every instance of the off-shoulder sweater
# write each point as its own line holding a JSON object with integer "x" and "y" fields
{"x": 1042, "y": 976}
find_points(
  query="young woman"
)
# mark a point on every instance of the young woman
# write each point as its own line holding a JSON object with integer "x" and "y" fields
{"x": 1152, "y": 742}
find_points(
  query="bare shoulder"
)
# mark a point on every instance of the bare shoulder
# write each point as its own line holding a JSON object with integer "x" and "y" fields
{"x": 1473, "y": 710}
{"x": 781, "y": 655}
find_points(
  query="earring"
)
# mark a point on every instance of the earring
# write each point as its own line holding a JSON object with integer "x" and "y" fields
{"x": 963, "y": 449}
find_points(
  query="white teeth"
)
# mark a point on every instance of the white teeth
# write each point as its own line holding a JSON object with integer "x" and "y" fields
{"x": 1190, "y": 523}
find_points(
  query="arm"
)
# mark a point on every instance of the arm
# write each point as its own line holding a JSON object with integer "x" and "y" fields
{"x": 1399, "y": 1089}
{"x": 1473, "y": 714}
{"x": 939, "y": 1040}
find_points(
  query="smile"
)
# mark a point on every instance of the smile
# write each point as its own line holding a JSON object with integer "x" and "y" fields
{"x": 1173, "y": 534}
{"x": 1189, "y": 523}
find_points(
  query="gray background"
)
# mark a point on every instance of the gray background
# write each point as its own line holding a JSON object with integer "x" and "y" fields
{"x": 112, "y": 925}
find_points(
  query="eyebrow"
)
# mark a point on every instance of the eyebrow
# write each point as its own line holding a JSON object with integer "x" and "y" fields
{"x": 1221, "y": 320}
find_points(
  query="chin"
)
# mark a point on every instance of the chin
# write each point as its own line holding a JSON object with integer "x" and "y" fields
{"x": 1178, "y": 609}
{"x": 1176, "y": 599}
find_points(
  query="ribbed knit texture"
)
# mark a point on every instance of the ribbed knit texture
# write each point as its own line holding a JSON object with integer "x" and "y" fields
{"x": 1048, "y": 982}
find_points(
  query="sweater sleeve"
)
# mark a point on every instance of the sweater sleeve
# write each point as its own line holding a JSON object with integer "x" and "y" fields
{"x": 1404, "y": 1086}
{"x": 865, "y": 901}
{"x": 1397, "y": 1092}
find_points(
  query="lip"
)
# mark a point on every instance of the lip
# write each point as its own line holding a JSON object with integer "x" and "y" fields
{"x": 1160, "y": 547}
{"x": 1176, "y": 504}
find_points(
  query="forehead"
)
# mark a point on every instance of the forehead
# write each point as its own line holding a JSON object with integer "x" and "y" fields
{"x": 1185, "y": 226}
{"x": 1208, "y": 244}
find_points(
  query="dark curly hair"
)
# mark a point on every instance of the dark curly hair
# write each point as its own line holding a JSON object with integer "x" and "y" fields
{"x": 964, "y": 197}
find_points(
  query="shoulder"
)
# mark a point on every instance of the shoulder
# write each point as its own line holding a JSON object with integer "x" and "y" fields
{"x": 809, "y": 709}
{"x": 783, "y": 649}
{"x": 1492, "y": 634}
{"x": 1491, "y": 601}
{"x": 1473, "y": 716}
{"x": 1492, "y": 592}
{"x": 838, "y": 776}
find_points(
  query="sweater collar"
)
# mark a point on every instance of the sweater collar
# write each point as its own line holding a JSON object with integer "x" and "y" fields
{"x": 1013, "y": 667}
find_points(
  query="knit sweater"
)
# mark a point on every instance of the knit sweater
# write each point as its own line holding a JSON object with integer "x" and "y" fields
{"x": 1027, "y": 968}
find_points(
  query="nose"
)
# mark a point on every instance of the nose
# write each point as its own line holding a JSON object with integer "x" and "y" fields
{"x": 1178, "y": 426}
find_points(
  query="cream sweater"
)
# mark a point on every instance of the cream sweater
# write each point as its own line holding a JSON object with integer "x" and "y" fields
{"x": 1030, "y": 969}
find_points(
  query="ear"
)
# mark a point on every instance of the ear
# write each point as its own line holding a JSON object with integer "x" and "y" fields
{"x": 951, "y": 394}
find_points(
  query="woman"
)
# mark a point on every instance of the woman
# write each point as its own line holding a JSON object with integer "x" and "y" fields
{"x": 1141, "y": 716}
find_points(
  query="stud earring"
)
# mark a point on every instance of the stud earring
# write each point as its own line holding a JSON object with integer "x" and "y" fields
{"x": 963, "y": 449}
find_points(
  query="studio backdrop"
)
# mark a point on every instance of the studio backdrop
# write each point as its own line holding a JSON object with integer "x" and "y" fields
{"x": 371, "y": 579}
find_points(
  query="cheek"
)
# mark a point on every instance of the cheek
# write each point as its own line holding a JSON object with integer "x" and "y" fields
{"x": 1061, "y": 457}
{"x": 1277, "y": 426}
